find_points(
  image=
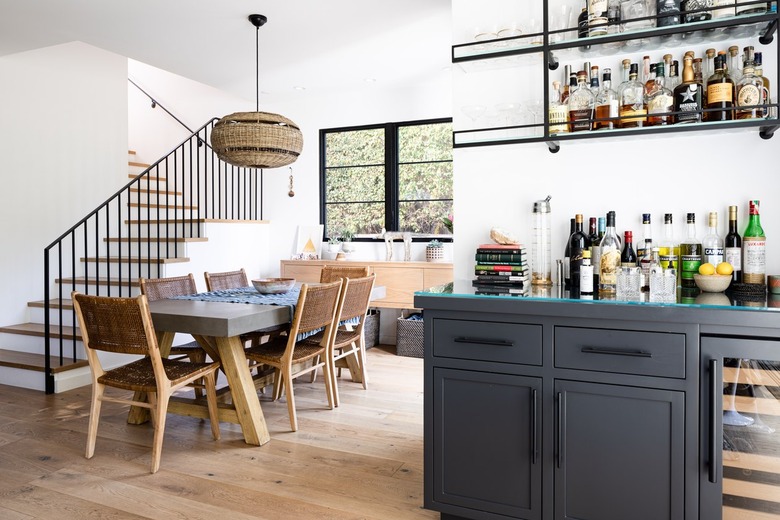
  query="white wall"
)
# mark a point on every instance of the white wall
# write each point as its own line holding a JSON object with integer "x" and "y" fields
{"x": 63, "y": 150}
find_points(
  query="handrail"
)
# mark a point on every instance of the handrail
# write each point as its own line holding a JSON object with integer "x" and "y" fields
{"x": 156, "y": 104}
{"x": 141, "y": 225}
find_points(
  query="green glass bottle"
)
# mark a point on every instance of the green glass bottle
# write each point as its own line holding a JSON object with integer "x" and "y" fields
{"x": 754, "y": 249}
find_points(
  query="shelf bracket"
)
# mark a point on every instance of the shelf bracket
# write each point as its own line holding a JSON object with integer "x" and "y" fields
{"x": 766, "y": 132}
{"x": 768, "y": 35}
{"x": 554, "y": 146}
{"x": 552, "y": 61}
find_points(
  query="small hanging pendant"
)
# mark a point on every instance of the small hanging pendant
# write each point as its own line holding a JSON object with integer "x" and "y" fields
{"x": 291, "y": 193}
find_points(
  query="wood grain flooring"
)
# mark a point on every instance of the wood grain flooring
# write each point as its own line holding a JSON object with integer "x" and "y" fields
{"x": 362, "y": 460}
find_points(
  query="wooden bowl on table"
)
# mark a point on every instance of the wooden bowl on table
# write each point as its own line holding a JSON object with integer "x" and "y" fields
{"x": 273, "y": 285}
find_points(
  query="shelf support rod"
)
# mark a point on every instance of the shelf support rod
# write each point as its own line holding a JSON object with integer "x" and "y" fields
{"x": 766, "y": 132}
{"x": 769, "y": 34}
{"x": 553, "y": 146}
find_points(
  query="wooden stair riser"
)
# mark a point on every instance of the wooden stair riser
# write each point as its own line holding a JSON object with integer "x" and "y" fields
{"x": 152, "y": 228}
{"x": 36, "y": 344}
{"x": 124, "y": 271}
{"x": 146, "y": 249}
{"x": 144, "y": 212}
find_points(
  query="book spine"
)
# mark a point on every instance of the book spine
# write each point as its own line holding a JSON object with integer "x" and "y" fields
{"x": 487, "y": 279}
{"x": 500, "y": 267}
{"x": 520, "y": 264}
{"x": 503, "y": 274}
{"x": 491, "y": 257}
{"x": 484, "y": 251}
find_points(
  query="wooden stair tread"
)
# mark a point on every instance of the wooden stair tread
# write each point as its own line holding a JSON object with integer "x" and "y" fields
{"x": 37, "y": 362}
{"x": 160, "y": 192}
{"x": 39, "y": 330}
{"x": 147, "y": 177}
{"x": 136, "y": 260}
{"x": 113, "y": 282}
{"x": 156, "y": 239}
{"x": 138, "y": 164}
{"x": 196, "y": 221}
{"x": 158, "y": 206}
{"x": 54, "y": 304}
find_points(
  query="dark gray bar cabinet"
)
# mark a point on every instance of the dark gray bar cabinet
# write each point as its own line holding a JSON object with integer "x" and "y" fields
{"x": 556, "y": 408}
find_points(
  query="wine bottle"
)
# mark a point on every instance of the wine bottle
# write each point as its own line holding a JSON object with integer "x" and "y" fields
{"x": 578, "y": 242}
{"x": 567, "y": 257}
{"x": 586, "y": 274}
{"x": 690, "y": 254}
{"x": 754, "y": 249}
{"x": 628, "y": 257}
{"x": 609, "y": 262}
{"x": 732, "y": 251}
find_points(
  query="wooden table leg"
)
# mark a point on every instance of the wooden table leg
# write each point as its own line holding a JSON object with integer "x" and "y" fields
{"x": 242, "y": 390}
{"x": 138, "y": 415}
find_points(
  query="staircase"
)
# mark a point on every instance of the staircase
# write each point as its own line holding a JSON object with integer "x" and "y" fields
{"x": 145, "y": 230}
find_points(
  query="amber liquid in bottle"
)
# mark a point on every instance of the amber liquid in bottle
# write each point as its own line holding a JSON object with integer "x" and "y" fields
{"x": 720, "y": 94}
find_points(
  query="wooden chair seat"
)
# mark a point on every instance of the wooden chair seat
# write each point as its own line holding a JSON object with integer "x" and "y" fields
{"x": 139, "y": 375}
{"x": 273, "y": 351}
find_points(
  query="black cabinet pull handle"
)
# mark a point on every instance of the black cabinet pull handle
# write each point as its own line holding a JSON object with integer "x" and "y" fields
{"x": 616, "y": 352}
{"x": 559, "y": 431}
{"x": 715, "y": 389}
{"x": 534, "y": 440}
{"x": 484, "y": 341}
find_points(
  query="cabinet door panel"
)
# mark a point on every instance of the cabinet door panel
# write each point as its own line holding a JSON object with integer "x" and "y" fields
{"x": 619, "y": 453}
{"x": 486, "y": 442}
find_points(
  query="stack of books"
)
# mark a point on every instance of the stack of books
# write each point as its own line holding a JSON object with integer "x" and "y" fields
{"x": 501, "y": 269}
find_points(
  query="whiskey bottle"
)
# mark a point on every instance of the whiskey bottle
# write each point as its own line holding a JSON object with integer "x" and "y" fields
{"x": 695, "y": 10}
{"x": 754, "y": 248}
{"x": 687, "y": 95}
{"x": 668, "y": 12}
{"x": 660, "y": 101}
{"x": 578, "y": 243}
{"x": 690, "y": 254}
{"x": 750, "y": 89}
{"x": 559, "y": 112}
{"x": 647, "y": 68}
{"x": 606, "y": 104}
{"x": 650, "y": 81}
{"x": 765, "y": 98}
{"x": 720, "y": 94}
{"x": 669, "y": 249}
{"x": 631, "y": 95}
{"x": 581, "y": 104}
{"x": 594, "y": 81}
{"x": 708, "y": 66}
{"x": 597, "y": 17}
{"x": 732, "y": 251}
{"x": 673, "y": 77}
{"x": 628, "y": 257}
{"x": 609, "y": 261}
{"x": 712, "y": 243}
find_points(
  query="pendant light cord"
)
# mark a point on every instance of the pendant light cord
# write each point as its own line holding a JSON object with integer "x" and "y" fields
{"x": 257, "y": 69}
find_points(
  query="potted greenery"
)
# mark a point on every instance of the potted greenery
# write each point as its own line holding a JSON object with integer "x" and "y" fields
{"x": 346, "y": 241}
{"x": 334, "y": 244}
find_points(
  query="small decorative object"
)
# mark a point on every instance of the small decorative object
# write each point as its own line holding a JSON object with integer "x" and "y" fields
{"x": 291, "y": 193}
{"x": 499, "y": 236}
{"x": 346, "y": 241}
{"x": 447, "y": 221}
{"x": 407, "y": 247}
{"x": 273, "y": 285}
{"x": 334, "y": 244}
{"x": 388, "y": 245}
{"x": 309, "y": 242}
{"x": 434, "y": 251}
{"x": 712, "y": 282}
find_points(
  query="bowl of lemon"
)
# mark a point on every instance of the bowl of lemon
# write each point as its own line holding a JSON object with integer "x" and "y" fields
{"x": 713, "y": 278}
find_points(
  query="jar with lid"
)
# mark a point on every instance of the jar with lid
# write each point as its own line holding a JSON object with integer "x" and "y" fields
{"x": 541, "y": 251}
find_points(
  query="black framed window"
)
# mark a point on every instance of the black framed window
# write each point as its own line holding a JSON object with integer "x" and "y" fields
{"x": 393, "y": 176}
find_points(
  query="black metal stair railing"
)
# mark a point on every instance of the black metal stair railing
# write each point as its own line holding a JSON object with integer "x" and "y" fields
{"x": 131, "y": 234}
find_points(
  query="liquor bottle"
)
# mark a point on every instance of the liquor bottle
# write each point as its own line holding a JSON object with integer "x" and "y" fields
{"x": 708, "y": 65}
{"x": 722, "y": 9}
{"x": 644, "y": 75}
{"x": 628, "y": 257}
{"x": 625, "y": 71}
{"x": 582, "y": 23}
{"x": 690, "y": 254}
{"x": 732, "y": 251}
{"x": 559, "y": 112}
{"x": 673, "y": 77}
{"x": 669, "y": 248}
{"x": 695, "y": 10}
{"x": 594, "y": 81}
{"x": 597, "y": 17}
{"x": 754, "y": 248}
{"x": 566, "y": 84}
{"x": 720, "y": 94}
{"x": 606, "y": 104}
{"x": 595, "y": 249}
{"x": 765, "y": 98}
{"x": 578, "y": 242}
{"x": 609, "y": 261}
{"x": 581, "y": 104}
{"x": 644, "y": 249}
{"x": 734, "y": 64}
{"x": 567, "y": 256}
{"x": 712, "y": 243}
{"x": 660, "y": 101}
{"x": 744, "y": 7}
{"x": 586, "y": 274}
{"x": 750, "y": 89}
{"x": 668, "y": 12}
{"x": 655, "y": 270}
{"x": 631, "y": 95}
{"x": 650, "y": 81}
{"x": 613, "y": 17}
{"x": 688, "y": 95}
{"x": 593, "y": 233}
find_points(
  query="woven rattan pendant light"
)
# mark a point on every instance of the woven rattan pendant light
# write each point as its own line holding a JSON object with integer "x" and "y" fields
{"x": 257, "y": 139}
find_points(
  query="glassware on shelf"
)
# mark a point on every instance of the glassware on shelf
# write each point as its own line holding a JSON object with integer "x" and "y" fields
{"x": 561, "y": 24}
{"x": 635, "y": 15}
{"x": 474, "y": 112}
{"x": 629, "y": 283}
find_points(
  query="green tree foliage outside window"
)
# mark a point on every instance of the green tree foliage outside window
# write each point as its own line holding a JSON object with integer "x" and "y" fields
{"x": 396, "y": 176}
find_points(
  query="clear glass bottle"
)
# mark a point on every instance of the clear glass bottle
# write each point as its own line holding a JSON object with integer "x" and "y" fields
{"x": 754, "y": 248}
{"x": 732, "y": 250}
{"x": 690, "y": 254}
{"x": 586, "y": 274}
{"x": 541, "y": 243}
{"x": 581, "y": 104}
{"x": 631, "y": 95}
{"x": 765, "y": 99}
{"x": 650, "y": 82}
{"x": 578, "y": 243}
{"x": 720, "y": 94}
{"x": 734, "y": 64}
{"x": 558, "y": 112}
{"x": 647, "y": 69}
{"x": 750, "y": 90}
{"x": 670, "y": 247}
{"x": 660, "y": 101}
{"x": 613, "y": 17}
{"x": 668, "y": 13}
{"x": 708, "y": 65}
{"x": 609, "y": 261}
{"x": 712, "y": 243}
{"x": 606, "y": 104}
{"x": 688, "y": 94}
{"x": 644, "y": 250}
{"x": 595, "y": 247}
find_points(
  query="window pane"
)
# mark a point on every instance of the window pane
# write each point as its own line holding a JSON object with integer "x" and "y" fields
{"x": 425, "y": 181}
{"x": 425, "y": 217}
{"x": 425, "y": 143}
{"x": 360, "y": 218}
{"x": 358, "y": 184}
{"x": 359, "y": 147}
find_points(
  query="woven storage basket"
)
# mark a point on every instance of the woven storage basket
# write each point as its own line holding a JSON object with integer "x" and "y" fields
{"x": 410, "y": 338}
{"x": 235, "y": 140}
{"x": 371, "y": 328}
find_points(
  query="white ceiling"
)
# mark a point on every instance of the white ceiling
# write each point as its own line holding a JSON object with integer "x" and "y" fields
{"x": 316, "y": 44}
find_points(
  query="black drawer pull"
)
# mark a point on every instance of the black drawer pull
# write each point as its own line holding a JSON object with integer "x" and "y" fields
{"x": 484, "y": 341}
{"x": 616, "y": 352}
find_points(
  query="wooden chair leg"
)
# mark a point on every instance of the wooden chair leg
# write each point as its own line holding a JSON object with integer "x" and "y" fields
{"x": 278, "y": 383}
{"x": 197, "y": 356}
{"x": 287, "y": 381}
{"x": 330, "y": 384}
{"x": 362, "y": 362}
{"x": 211, "y": 398}
{"x": 94, "y": 417}
{"x": 313, "y": 376}
{"x": 159, "y": 412}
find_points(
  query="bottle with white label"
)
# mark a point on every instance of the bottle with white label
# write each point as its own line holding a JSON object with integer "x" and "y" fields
{"x": 712, "y": 243}
{"x": 586, "y": 274}
{"x": 754, "y": 249}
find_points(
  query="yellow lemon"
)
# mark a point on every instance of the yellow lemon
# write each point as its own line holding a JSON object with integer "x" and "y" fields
{"x": 724, "y": 268}
{"x": 706, "y": 269}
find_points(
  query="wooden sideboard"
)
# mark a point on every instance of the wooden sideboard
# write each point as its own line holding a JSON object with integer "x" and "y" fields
{"x": 400, "y": 279}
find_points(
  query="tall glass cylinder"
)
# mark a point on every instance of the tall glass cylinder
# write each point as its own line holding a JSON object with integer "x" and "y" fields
{"x": 541, "y": 251}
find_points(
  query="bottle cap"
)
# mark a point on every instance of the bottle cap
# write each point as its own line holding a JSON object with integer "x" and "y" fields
{"x": 733, "y": 50}
{"x": 542, "y": 206}
{"x": 667, "y": 218}
{"x": 586, "y": 253}
{"x": 710, "y": 53}
{"x": 691, "y": 218}
{"x": 645, "y": 218}
{"x": 629, "y": 236}
{"x": 757, "y": 58}
{"x": 634, "y": 68}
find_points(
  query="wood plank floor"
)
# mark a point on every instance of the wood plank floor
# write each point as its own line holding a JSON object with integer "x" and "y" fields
{"x": 360, "y": 461}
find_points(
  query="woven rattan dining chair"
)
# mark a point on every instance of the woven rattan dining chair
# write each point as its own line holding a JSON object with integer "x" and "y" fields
{"x": 124, "y": 326}
{"x": 331, "y": 273}
{"x": 348, "y": 340}
{"x": 316, "y": 309}
{"x": 236, "y": 280}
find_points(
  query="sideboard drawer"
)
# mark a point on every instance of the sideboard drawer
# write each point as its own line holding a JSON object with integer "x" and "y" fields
{"x": 659, "y": 354}
{"x": 488, "y": 341}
